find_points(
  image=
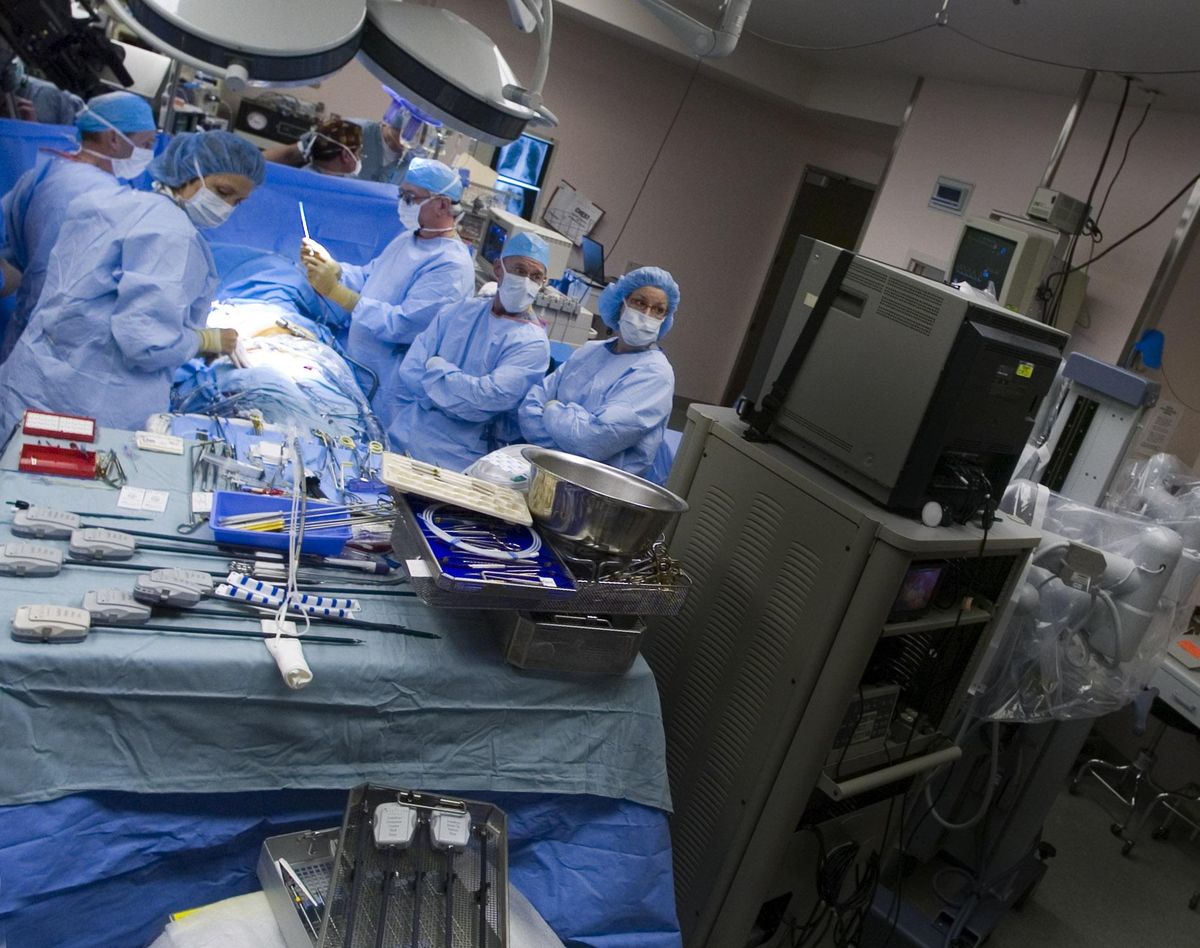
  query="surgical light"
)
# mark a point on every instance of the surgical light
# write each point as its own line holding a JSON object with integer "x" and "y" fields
{"x": 432, "y": 57}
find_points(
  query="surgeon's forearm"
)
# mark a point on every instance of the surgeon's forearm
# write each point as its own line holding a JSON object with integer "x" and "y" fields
{"x": 345, "y": 297}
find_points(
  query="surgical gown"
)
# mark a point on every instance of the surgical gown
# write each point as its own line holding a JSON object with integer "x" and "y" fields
{"x": 444, "y": 414}
{"x": 128, "y": 283}
{"x": 379, "y": 163}
{"x": 401, "y": 291}
{"x": 34, "y": 211}
{"x": 611, "y": 407}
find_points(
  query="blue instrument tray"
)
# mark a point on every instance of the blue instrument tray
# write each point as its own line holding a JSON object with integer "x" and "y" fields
{"x": 326, "y": 541}
{"x": 464, "y": 571}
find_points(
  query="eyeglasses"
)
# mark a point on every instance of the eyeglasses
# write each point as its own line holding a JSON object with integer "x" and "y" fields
{"x": 649, "y": 307}
{"x": 519, "y": 269}
{"x": 409, "y": 198}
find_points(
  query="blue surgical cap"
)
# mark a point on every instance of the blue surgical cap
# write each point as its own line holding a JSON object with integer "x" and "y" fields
{"x": 123, "y": 111}
{"x": 613, "y": 298}
{"x": 208, "y": 153}
{"x": 434, "y": 177}
{"x": 527, "y": 245}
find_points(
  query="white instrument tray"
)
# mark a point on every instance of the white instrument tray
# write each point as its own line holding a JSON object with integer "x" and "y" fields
{"x": 407, "y": 476}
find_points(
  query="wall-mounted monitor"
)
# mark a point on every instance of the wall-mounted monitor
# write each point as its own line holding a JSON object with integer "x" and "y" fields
{"x": 521, "y": 168}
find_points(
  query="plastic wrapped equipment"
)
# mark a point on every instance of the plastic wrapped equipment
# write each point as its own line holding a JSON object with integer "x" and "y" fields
{"x": 1090, "y": 620}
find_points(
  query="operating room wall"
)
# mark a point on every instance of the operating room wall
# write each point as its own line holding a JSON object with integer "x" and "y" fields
{"x": 1000, "y": 140}
{"x": 715, "y": 205}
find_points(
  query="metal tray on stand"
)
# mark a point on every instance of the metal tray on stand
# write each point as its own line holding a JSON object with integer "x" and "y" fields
{"x": 448, "y": 899}
{"x": 606, "y": 597}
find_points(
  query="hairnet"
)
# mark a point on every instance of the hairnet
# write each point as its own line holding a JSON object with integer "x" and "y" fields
{"x": 613, "y": 298}
{"x": 123, "y": 111}
{"x": 532, "y": 246}
{"x": 434, "y": 177}
{"x": 208, "y": 153}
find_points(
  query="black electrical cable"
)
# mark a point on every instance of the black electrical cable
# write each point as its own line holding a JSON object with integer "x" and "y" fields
{"x": 1167, "y": 379}
{"x": 1133, "y": 233}
{"x": 658, "y": 154}
{"x": 1051, "y": 62}
{"x": 837, "y": 49}
{"x": 1056, "y": 306}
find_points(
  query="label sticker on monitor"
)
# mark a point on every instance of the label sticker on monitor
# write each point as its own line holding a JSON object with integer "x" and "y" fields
{"x": 1025, "y": 370}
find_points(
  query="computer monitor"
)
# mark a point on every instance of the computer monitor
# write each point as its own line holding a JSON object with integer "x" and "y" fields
{"x": 499, "y": 226}
{"x": 1010, "y": 256}
{"x": 593, "y": 259}
{"x": 521, "y": 168}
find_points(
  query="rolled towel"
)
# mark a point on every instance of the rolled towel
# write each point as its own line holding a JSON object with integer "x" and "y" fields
{"x": 289, "y": 656}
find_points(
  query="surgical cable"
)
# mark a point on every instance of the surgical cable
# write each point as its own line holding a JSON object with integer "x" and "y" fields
{"x": 428, "y": 517}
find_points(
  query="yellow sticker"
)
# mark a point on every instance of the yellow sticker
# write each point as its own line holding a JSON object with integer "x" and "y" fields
{"x": 1025, "y": 370}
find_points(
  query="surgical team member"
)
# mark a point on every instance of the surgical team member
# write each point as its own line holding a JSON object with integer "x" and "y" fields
{"x": 385, "y": 156}
{"x": 475, "y": 362}
{"x": 611, "y": 399}
{"x": 117, "y": 132}
{"x": 334, "y": 148}
{"x": 395, "y": 296}
{"x": 128, "y": 289}
{"x": 36, "y": 99}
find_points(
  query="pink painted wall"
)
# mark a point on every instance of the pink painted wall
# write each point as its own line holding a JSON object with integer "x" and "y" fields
{"x": 716, "y": 203}
{"x": 1000, "y": 140}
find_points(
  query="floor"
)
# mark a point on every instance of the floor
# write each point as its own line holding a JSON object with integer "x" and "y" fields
{"x": 1093, "y": 897}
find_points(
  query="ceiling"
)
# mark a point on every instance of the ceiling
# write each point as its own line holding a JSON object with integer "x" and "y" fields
{"x": 1123, "y": 36}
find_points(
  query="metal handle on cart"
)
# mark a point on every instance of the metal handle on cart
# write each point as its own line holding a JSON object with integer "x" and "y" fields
{"x": 845, "y": 789}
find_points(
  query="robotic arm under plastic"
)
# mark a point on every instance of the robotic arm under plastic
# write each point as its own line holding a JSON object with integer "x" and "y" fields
{"x": 1106, "y": 600}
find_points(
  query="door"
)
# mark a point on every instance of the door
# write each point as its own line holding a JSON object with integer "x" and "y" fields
{"x": 829, "y": 207}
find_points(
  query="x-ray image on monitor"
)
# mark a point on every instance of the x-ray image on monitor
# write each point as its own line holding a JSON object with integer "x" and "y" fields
{"x": 518, "y": 200}
{"x": 524, "y": 160}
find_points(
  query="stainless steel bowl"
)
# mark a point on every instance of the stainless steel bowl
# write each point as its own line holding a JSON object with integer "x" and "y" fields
{"x": 595, "y": 507}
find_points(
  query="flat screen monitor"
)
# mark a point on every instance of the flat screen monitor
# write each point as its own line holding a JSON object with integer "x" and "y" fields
{"x": 983, "y": 258}
{"x": 593, "y": 259}
{"x": 493, "y": 241}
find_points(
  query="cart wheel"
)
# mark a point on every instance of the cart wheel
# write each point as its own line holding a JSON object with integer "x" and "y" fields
{"x": 1161, "y": 833}
{"x": 1117, "y": 829}
{"x": 1194, "y": 901}
{"x": 1073, "y": 788}
{"x": 1125, "y": 849}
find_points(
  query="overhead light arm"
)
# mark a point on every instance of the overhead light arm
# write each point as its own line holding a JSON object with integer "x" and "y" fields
{"x": 702, "y": 40}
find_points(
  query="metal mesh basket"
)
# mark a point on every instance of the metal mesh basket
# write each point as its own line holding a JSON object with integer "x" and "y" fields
{"x": 419, "y": 895}
{"x": 434, "y": 588}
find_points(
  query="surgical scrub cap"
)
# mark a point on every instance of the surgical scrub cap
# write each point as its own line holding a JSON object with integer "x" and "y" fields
{"x": 123, "y": 111}
{"x": 527, "y": 245}
{"x": 613, "y": 298}
{"x": 208, "y": 153}
{"x": 434, "y": 177}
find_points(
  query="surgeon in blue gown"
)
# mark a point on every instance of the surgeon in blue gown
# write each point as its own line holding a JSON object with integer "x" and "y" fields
{"x": 117, "y": 134}
{"x": 395, "y": 296}
{"x": 473, "y": 364}
{"x": 611, "y": 399}
{"x": 128, "y": 289}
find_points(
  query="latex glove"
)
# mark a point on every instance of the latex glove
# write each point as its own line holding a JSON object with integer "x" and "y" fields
{"x": 323, "y": 275}
{"x": 313, "y": 252}
{"x": 26, "y": 110}
{"x": 435, "y": 363}
{"x": 238, "y": 356}
{"x": 217, "y": 341}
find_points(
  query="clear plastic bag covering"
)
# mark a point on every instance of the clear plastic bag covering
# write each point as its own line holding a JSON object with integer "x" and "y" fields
{"x": 505, "y": 467}
{"x": 291, "y": 381}
{"x": 1090, "y": 620}
{"x": 1167, "y": 491}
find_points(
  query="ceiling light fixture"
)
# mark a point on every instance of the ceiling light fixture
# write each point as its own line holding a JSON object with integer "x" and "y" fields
{"x": 434, "y": 58}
